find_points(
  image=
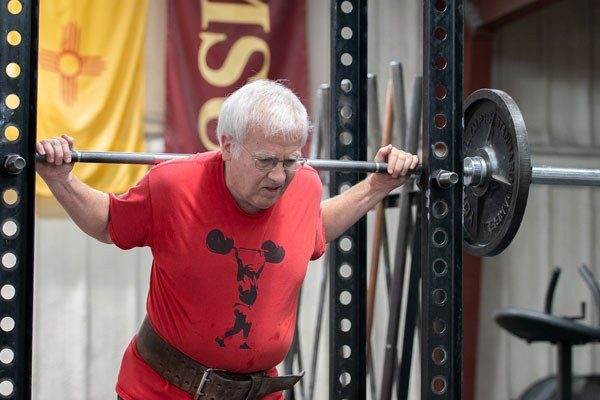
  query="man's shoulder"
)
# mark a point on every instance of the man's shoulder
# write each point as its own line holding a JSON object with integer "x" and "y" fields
{"x": 185, "y": 173}
{"x": 188, "y": 165}
{"x": 307, "y": 182}
{"x": 308, "y": 175}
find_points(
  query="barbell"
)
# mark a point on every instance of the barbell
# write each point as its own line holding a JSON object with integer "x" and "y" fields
{"x": 497, "y": 170}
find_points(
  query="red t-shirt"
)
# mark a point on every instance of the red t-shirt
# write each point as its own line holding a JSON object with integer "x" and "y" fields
{"x": 224, "y": 283}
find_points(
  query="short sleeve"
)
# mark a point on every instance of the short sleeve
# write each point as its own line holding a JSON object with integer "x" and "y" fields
{"x": 130, "y": 218}
{"x": 320, "y": 240}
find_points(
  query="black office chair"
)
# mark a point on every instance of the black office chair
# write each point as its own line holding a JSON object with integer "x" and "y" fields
{"x": 565, "y": 332}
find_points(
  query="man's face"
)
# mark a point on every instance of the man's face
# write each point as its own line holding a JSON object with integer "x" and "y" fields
{"x": 257, "y": 189}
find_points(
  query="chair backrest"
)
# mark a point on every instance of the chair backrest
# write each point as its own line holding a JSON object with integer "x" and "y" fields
{"x": 551, "y": 289}
{"x": 592, "y": 283}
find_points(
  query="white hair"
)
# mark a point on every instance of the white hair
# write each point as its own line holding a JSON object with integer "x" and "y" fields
{"x": 265, "y": 105}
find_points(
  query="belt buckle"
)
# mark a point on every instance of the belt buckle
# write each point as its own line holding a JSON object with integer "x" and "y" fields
{"x": 205, "y": 378}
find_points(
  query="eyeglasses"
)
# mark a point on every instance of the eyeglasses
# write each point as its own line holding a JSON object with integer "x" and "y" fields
{"x": 265, "y": 162}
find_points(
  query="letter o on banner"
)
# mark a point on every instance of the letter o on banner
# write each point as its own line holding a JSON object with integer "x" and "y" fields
{"x": 209, "y": 111}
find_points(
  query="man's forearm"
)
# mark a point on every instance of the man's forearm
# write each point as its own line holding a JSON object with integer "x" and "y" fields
{"x": 87, "y": 207}
{"x": 342, "y": 211}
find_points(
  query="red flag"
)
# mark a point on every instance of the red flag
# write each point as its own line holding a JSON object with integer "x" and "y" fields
{"x": 214, "y": 47}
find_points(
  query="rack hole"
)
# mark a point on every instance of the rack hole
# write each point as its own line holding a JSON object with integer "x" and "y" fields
{"x": 440, "y": 150}
{"x": 14, "y": 6}
{"x": 346, "y": 7}
{"x": 9, "y": 260}
{"x": 346, "y": 59}
{"x": 345, "y": 271}
{"x": 345, "y": 325}
{"x": 345, "y": 297}
{"x": 440, "y": 209}
{"x": 439, "y": 326}
{"x": 345, "y": 351}
{"x": 13, "y": 38}
{"x": 345, "y": 138}
{"x": 344, "y": 186}
{"x": 345, "y": 379}
{"x": 440, "y": 267}
{"x": 11, "y": 133}
{"x": 440, "y": 121}
{"x": 7, "y": 355}
{"x": 438, "y": 385}
{"x": 440, "y": 34}
{"x": 345, "y": 244}
{"x": 440, "y": 62}
{"x": 439, "y": 297}
{"x": 346, "y": 33}
{"x": 346, "y": 112}
{"x": 7, "y": 324}
{"x": 10, "y": 197}
{"x": 13, "y": 70}
{"x": 6, "y": 387}
{"x": 10, "y": 228}
{"x": 7, "y": 292}
{"x": 346, "y": 85}
{"x": 439, "y": 237}
{"x": 440, "y": 92}
{"x": 12, "y": 101}
{"x": 439, "y": 355}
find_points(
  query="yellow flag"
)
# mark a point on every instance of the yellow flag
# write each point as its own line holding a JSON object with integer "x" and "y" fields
{"x": 91, "y": 83}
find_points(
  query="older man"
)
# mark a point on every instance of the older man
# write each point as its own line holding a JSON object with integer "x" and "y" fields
{"x": 231, "y": 233}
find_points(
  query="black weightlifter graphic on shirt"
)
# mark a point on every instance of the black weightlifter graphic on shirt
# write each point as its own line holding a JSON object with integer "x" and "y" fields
{"x": 250, "y": 264}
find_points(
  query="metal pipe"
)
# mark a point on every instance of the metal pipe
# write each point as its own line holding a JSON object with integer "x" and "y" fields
{"x": 545, "y": 175}
{"x": 405, "y": 225}
{"x": 106, "y": 157}
{"x": 155, "y": 158}
{"x": 399, "y": 103}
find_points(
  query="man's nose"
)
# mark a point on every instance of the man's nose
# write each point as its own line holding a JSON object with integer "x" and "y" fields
{"x": 278, "y": 174}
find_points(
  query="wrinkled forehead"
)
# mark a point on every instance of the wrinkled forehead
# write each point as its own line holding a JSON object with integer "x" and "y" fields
{"x": 269, "y": 140}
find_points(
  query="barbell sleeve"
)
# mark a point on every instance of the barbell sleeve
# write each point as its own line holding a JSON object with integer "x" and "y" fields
{"x": 545, "y": 175}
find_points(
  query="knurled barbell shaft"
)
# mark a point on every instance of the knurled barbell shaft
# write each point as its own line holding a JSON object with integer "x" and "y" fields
{"x": 544, "y": 175}
{"x": 155, "y": 158}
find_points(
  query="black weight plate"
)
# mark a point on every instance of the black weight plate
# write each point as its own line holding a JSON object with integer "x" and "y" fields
{"x": 494, "y": 129}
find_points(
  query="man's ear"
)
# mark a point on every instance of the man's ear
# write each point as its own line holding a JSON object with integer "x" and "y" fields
{"x": 227, "y": 147}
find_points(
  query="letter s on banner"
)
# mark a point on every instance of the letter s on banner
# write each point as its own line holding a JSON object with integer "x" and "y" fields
{"x": 236, "y": 59}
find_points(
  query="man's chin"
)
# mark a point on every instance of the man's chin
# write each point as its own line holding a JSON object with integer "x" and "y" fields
{"x": 268, "y": 202}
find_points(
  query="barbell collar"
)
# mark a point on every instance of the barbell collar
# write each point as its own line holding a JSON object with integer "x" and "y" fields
{"x": 445, "y": 179}
{"x": 475, "y": 171}
{"x": 14, "y": 164}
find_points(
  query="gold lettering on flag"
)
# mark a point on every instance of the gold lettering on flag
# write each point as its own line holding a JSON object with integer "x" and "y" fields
{"x": 255, "y": 12}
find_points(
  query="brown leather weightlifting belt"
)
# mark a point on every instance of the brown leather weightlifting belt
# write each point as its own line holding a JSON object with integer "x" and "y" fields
{"x": 200, "y": 381}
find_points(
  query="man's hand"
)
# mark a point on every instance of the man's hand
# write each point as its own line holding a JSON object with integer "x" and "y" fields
{"x": 341, "y": 211}
{"x": 58, "y": 156}
{"x": 399, "y": 164}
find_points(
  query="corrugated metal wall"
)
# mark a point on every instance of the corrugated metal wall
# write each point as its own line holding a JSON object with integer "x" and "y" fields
{"x": 549, "y": 63}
